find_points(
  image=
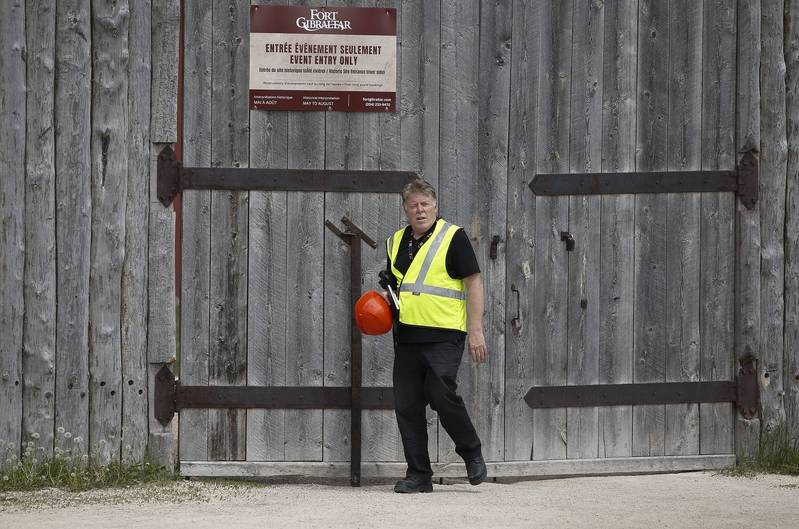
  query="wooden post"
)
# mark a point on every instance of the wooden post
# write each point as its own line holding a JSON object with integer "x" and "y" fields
{"x": 791, "y": 361}
{"x": 747, "y": 276}
{"x": 38, "y": 359}
{"x": 12, "y": 217}
{"x": 161, "y": 321}
{"x": 73, "y": 222}
{"x": 773, "y": 167}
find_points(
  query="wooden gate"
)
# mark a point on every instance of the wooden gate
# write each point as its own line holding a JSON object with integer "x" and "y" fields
{"x": 491, "y": 93}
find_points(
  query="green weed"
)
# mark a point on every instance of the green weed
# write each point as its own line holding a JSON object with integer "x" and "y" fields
{"x": 777, "y": 454}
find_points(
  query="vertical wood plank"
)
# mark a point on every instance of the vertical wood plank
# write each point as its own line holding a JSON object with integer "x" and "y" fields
{"x": 419, "y": 91}
{"x": 718, "y": 221}
{"x": 791, "y": 361}
{"x": 520, "y": 239}
{"x": 458, "y": 111}
{"x": 585, "y": 152}
{"x": 12, "y": 217}
{"x": 650, "y": 223}
{"x": 38, "y": 357}
{"x": 229, "y": 229}
{"x": 73, "y": 220}
{"x": 747, "y": 276}
{"x": 773, "y": 166}
{"x": 683, "y": 221}
{"x": 489, "y": 219}
{"x": 195, "y": 274}
{"x": 552, "y": 217}
{"x": 267, "y": 291}
{"x": 344, "y": 146}
{"x": 164, "y": 28}
{"x": 109, "y": 144}
{"x": 304, "y": 309}
{"x": 616, "y": 290}
{"x": 135, "y": 419}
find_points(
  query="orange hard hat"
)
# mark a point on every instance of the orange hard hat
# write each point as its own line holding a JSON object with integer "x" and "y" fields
{"x": 372, "y": 314}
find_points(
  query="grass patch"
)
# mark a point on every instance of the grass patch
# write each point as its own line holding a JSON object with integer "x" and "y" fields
{"x": 69, "y": 468}
{"x": 777, "y": 454}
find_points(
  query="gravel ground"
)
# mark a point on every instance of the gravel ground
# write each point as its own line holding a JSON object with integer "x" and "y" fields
{"x": 686, "y": 500}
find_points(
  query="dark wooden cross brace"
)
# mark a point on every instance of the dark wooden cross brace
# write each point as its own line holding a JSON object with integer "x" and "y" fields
{"x": 171, "y": 396}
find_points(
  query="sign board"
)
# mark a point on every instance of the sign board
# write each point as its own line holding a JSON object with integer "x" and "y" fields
{"x": 323, "y": 58}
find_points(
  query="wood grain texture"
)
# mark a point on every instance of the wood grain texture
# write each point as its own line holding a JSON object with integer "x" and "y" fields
{"x": 717, "y": 221}
{"x": 585, "y": 154}
{"x": 549, "y": 315}
{"x": 109, "y": 130}
{"x": 73, "y": 220}
{"x": 773, "y": 166}
{"x": 617, "y": 275}
{"x": 747, "y": 276}
{"x": 229, "y": 228}
{"x": 650, "y": 224}
{"x": 458, "y": 147}
{"x": 791, "y": 361}
{"x": 38, "y": 357}
{"x": 166, "y": 32}
{"x": 12, "y": 218}
{"x": 520, "y": 242}
{"x": 419, "y": 92}
{"x": 135, "y": 300}
{"x": 196, "y": 237}
{"x": 683, "y": 222}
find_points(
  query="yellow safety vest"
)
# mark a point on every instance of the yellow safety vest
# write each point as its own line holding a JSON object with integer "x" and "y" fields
{"x": 428, "y": 295}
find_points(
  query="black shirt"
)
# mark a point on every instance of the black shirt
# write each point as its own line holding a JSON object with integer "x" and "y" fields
{"x": 461, "y": 262}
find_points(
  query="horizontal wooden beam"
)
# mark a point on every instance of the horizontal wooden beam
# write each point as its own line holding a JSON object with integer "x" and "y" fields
{"x": 502, "y": 469}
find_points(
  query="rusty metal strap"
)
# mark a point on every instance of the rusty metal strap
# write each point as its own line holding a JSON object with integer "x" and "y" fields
{"x": 174, "y": 178}
{"x": 743, "y": 181}
{"x": 171, "y": 396}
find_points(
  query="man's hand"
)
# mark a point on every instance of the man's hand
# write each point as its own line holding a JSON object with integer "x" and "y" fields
{"x": 477, "y": 345}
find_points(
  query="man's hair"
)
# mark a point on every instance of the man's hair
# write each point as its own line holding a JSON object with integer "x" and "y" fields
{"x": 418, "y": 187}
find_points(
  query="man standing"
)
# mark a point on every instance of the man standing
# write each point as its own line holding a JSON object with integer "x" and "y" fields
{"x": 434, "y": 267}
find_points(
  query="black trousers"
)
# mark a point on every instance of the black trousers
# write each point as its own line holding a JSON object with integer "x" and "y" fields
{"x": 426, "y": 373}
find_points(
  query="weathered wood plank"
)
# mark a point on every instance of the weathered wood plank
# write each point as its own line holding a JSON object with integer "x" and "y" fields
{"x": 616, "y": 282}
{"x": 229, "y": 229}
{"x": 549, "y": 316}
{"x": 650, "y": 223}
{"x": 12, "y": 218}
{"x": 38, "y": 347}
{"x": 267, "y": 289}
{"x": 683, "y": 222}
{"x": 773, "y": 166}
{"x": 135, "y": 298}
{"x": 520, "y": 239}
{"x": 717, "y": 220}
{"x": 381, "y": 217}
{"x": 747, "y": 277}
{"x": 791, "y": 361}
{"x": 458, "y": 144}
{"x": 489, "y": 219}
{"x": 166, "y": 26}
{"x": 196, "y": 237}
{"x": 344, "y": 149}
{"x": 109, "y": 142}
{"x": 73, "y": 220}
{"x": 585, "y": 154}
{"x": 419, "y": 90}
{"x": 560, "y": 468}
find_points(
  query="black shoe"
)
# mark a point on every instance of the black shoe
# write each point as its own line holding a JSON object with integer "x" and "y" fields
{"x": 476, "y": 470}
{"x": 411, "y": 485}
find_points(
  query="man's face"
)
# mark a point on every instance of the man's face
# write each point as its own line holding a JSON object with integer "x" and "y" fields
{"x": 421, "y": 211}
